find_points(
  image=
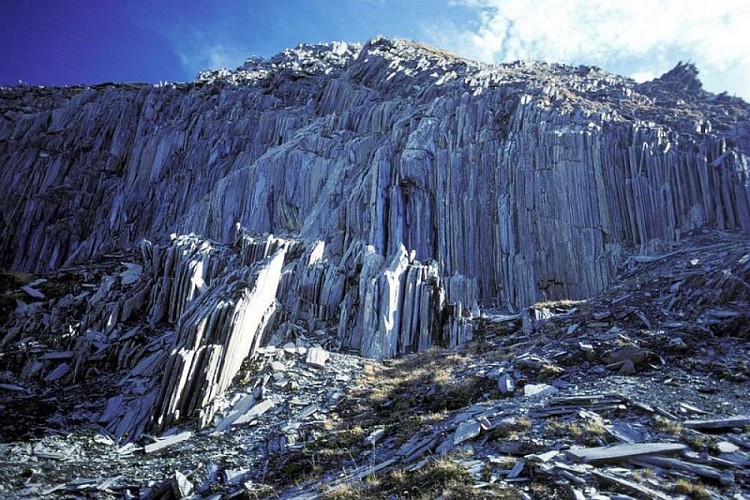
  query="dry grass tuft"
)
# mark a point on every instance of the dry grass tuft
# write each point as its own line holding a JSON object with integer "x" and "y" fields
{"x": 668, "y": 426}
{"x": 693, "y": 489}
{"x": 586, "y": 432}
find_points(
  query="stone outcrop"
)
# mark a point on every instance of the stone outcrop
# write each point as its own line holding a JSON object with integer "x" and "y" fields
{"x": 528, "y": 177}
{"x": 396, "y": 187}
{"x": 371, "y": 198}
{"x": 179, "y": 326}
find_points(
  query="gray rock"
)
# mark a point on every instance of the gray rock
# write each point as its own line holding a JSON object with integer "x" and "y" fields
{"x": 317, "y": 356}
{"x": 411, "y": 186}
{"x": 33, "y": 292}
{"x": 374, "y": 436}
{"x": 538, "y": 389}
{"x": 726, "y": 447}
{"x": 181, "y": 486}
{"x": 506, "y": 384}
{"x": 466, "y": 431}
{"x": 552, "y": 195}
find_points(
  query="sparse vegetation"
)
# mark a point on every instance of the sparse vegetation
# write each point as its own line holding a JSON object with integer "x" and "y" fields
{"x": 417, "y": 386}
{"x": 586, "y": 432}
{"x": 696, "y": 440}
{"x": 513, "y": 430}
{"x": 400, "y": 396}
{"x": 693, "y": 489}
{"x": 442, "y": 478}
{"x": 563, "y": 305}
{"x": 668, "y": 426}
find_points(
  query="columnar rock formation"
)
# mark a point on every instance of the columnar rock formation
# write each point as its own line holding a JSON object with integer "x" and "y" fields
{"x": 404, "y": 185}
{"x": 530, "y": 178}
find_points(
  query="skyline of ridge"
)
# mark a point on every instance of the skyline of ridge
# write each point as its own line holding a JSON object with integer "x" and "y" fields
{"x": 87, "y": 42}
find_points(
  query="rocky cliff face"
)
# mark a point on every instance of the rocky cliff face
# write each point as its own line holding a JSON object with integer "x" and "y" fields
{"x": 530, "y": 178}
{"x": 219, "y": 254}
{"x": 375, "y": 196}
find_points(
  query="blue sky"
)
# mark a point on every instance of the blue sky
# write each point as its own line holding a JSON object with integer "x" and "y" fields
{"x": 58, "y": 42}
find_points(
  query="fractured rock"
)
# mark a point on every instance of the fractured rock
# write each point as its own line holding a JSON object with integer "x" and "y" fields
{"x": 317, "y": 356}
{"x": 538, "y": 389}
{"x": 466, "y": 431}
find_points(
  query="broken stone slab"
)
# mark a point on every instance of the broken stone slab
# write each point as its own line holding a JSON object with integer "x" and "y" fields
{"x": 33, "y": 292}
{"x": 587, "y": 400}
{"x": 627, "y": 433}
{"x": 466, "y": 431}
{"x": 60, "y": 371}
{"x": 14, "y": 388}
{"x": 239, "y": 409}
{"x": 58, "y": 355}
{"x": 602, "y": 405}
{"x": 726, "y": 447}
{"x": 368, "y": 471}
{"x": 423, "y": 447}
{"x": 107, "y": 484}
{"x": 132, "y": 273}
{"x": 626, "y": 367}
{"x": 37, "y": 282}
{"x": 743, "y": 443}
{"x": 42, "y": 451}
{"x": 167, "y": 441}
{"x": 623, "y": 451}
{"x": 542, "y": 457}
{"x": 631, "y": 485}
{"x": 374, "y": 436}
{"x": 181, "y": 486}
{"x": 664, "y": 413}
{"x": 506, "y": 384}
{"x": 629, "y": 352}
{"x": 538, "y": 389}
{"x": 687, "y": 408}
{"x": 278, "y": 366}
{"x": 502, "y": 318}
{"x": 677, "y": 343}
{"x": 723, "y": 313}
{"x": 517, "y": 469}
{"x": 127, "y": 449}
{"x": 308, "y": 411}
{"x": 485, "y": 423}
{"x": 705, "y": 471}
{"x": 292, "y": 348}
{"x": 317, "y": 356}
{"x": 236, "y": 476}
{"x": 719, "y": 423}
{"x": 255, "y": 411}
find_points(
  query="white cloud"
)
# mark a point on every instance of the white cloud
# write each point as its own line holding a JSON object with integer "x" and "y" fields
{"x": 199, "y": 51}
{"x": 643, "y": 76}
{"x": 635, "y": 37}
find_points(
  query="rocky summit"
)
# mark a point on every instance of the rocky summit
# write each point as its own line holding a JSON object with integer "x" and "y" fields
{"x": 376, "y": 271}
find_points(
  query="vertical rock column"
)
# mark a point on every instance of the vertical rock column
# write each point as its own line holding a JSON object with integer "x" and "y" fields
{"x": 405, "y": 306}
{"x": 219, "y": 330}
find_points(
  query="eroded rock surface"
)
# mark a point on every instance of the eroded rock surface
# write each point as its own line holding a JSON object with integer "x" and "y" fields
{"x": 530, "y": 178}
{"x": 196, "y": 269}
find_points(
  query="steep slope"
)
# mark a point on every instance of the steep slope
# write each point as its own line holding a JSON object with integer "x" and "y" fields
{"x": 531, "y": 178}
{"x": 655, "y": 360}
{"x": 217, "y": 255}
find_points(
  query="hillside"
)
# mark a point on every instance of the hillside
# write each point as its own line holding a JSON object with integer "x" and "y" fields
{"x": 215, "y": 277}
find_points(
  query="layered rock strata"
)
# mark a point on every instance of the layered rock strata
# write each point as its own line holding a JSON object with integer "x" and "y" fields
{"x": 398, "y": 187}
{"x": 530, "y": 178}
